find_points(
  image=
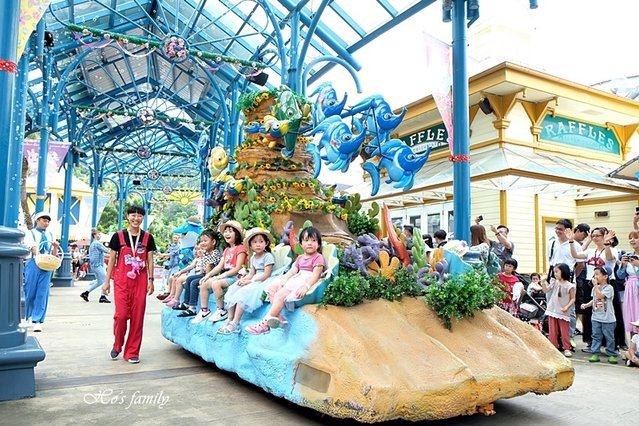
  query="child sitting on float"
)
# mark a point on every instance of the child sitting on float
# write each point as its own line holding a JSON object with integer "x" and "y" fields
{"x": 176, "y": 282}
{"x": 292, "y": 286}
{"x": 246, "y": 294}
{"x": 190, "y": 276}
{"x": 232, "y": 262}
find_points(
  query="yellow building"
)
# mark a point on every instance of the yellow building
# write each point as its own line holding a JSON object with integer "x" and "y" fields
{"x": 81, "y": 204}
{"x": 541, "y": 149}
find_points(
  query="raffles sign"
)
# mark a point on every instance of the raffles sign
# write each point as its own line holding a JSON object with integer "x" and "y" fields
{"x": 436, "y": 137}
{"x": 578, "y": 134}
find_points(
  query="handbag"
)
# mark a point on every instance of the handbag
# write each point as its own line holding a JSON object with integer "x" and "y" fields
{"x": 47, "y": 261}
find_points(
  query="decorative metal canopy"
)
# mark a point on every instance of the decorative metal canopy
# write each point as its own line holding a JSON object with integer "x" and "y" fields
{"x": 162, "y": 77}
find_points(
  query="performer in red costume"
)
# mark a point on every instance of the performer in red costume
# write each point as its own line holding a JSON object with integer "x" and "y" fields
{"x": 131, "y": 265}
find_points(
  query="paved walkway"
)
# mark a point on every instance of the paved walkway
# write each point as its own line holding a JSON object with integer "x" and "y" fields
{"x": 78, "y": 383}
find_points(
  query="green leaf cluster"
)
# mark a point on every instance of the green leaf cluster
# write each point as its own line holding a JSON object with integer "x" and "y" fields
{"x": 348, "y": 289}
{"x": 351, "y": 288}
{"x": 462, "y": 295}
{"x": 361, "y": 223}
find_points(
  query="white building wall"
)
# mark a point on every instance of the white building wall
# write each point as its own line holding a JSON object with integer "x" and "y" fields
{"x": 482, "y": 129}
{"x": 520, "y": 209}
{"x": 519, "y": 129}
{"x": 619, "y": 218}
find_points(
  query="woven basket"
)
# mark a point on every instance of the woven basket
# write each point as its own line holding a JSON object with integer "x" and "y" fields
{"x": 49, "y": 262}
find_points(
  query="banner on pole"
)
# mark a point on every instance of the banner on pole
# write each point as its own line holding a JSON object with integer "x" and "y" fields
{"x": 31, "y": 12}
{"x": 440, "y": 80}
{"x": 55, "y": 156}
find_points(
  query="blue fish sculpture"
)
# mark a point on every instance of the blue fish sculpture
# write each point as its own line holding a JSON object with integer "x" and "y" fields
{"x": 326, "y": 104}
{"x": 380, "y": 119}
{"x": 400, "y": 162}
{"x": 338, "y": 146}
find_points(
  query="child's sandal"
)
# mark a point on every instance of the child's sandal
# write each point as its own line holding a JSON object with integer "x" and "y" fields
{"x": 259, "y": 328}
{"x": 229, "y": 328}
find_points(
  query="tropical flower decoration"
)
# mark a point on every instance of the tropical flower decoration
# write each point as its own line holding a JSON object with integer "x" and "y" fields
{"x": 176, "y": 48}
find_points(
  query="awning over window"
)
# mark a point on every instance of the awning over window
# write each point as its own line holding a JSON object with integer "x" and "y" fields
{"x": 628, "y": 171}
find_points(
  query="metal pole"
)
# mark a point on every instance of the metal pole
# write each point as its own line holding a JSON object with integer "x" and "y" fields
{"x": 461, "y": 149}
{"x": 16, "y": 151}
{"x": 44, "y": 131}
{"x": 95, "y": 183}
{"x": 62, "y": 276}
{"x": 122, "y": 194}
{"x": 19, "y": 354}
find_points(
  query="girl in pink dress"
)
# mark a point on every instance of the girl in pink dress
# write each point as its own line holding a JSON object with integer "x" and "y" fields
{"x": 629, "y": 270}
{"x": 304, "y": 274}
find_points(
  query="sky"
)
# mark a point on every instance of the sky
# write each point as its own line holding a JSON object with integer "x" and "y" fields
{"x": 586, "y": 41}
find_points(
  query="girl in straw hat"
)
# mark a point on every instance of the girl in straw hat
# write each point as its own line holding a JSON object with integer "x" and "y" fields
{"x": 246, "y": 294}
{"x": 304, "y": 274}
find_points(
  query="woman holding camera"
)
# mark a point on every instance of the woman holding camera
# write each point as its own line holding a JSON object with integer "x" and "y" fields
{"x": 629, "y": 270}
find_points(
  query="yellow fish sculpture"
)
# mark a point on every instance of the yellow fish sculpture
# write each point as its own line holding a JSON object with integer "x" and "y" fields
{"x": 218, "y": 160}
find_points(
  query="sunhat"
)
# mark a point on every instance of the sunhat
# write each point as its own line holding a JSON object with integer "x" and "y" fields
{"x": 636, "y": 323}
{"x": 458, "y": 247}
{"x": 256, "y": 231}
{"x": 41, "y": 215}
{"x": 233, "y": 224}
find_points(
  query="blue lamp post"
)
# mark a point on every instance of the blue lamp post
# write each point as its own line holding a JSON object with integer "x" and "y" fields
{"x": 458, "y": 11}
{"x": 19, "y": 354}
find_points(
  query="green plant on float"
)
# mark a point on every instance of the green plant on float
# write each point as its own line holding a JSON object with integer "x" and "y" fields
{"x": 406, "y": 283}
{"x": 348, "y": 289}
{"x": 360, "y": 224}
{"x": 463, "y": 295}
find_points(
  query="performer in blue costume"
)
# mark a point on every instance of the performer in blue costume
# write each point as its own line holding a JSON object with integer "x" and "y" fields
{"x": 191, "y": 231}
{"x": 37, "y": 281}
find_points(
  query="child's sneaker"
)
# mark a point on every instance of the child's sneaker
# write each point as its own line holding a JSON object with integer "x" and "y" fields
{"x": 259, "y": 328}
{"x": 219, "y": 315}
{"x": 568, "y": 354}
{"x": 277, "y": 322}
{"x": 187, "y": 313}
{"x": 594, "y": 358}
{"x": 612, "y": 359}
{"x": 180, "y": 307}
{"x": 201, "y": 316}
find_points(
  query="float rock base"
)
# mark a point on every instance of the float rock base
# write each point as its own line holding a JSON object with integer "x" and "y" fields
{"x": 384, "y": 360}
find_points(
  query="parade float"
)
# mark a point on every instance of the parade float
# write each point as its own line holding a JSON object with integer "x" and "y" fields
{"x": 388, "y": 333}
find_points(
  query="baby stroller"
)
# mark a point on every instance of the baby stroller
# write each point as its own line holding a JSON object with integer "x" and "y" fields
{"x": 532, "y": 309}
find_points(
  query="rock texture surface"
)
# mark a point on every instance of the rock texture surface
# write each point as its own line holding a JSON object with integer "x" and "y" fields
{"x": 385, "y": 360}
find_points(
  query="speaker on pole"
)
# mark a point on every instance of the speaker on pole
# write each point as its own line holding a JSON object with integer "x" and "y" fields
{"x": 259, "y": 79}
{"x": 485, "y": 107}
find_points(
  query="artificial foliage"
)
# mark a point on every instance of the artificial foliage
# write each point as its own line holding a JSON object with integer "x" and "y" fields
{"x": 462, "y": 295}
{"x": 351, "y": 288}
{"x": 248, "y": 102}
